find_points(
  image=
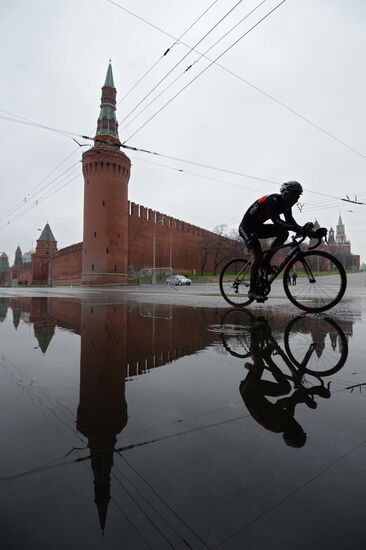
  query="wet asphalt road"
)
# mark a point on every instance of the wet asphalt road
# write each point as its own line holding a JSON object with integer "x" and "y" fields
{"x": 161, "y": 418}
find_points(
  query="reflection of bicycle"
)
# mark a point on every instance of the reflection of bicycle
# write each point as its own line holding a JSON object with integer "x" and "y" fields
{"x": 321, "y": 281}
{"x": 315, "y": 346}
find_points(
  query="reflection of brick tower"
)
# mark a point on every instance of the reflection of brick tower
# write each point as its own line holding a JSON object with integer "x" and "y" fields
{"x": 102, "y": 411}
{"x": 46, "y": 247}
{"x": 106, "y": 173}
{"x": 3, "y": 310}
{"x": 43, "y": 325}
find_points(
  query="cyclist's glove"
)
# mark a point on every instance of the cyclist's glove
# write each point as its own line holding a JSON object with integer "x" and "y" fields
{"x": 318, "y": 233}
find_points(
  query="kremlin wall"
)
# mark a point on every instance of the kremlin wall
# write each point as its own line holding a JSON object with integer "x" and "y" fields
{"x": 120, "y": 238}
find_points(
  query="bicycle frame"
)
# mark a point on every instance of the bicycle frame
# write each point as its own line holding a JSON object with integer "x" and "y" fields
{"x": 295, "y": 251}
{"x": 297, "y": 373}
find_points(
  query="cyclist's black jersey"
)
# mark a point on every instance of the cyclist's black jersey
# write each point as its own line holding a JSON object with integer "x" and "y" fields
{"x": 269, "y": 207}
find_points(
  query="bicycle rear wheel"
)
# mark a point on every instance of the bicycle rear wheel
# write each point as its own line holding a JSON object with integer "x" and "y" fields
{"x": 236, "y": 336}
{"x": 317, "y": 345}
{"x": 235, "y": 281}
{"x": 321, "y": 281}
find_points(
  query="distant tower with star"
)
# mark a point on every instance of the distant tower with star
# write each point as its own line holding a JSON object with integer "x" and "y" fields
{"x": 340, "y": 232}
{"x": 106, "y": 172}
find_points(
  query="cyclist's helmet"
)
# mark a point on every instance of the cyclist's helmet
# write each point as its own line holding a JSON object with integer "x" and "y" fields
{"x": 292, "y": 186}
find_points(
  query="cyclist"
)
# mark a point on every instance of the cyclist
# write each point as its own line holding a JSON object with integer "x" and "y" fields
{"x": 253, "y": 228}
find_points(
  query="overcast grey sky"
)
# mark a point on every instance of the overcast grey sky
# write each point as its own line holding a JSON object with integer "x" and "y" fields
{"x": 308, "y": 55}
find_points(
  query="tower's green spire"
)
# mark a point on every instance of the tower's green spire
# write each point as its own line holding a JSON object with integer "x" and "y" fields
{"x": 107, "y": 123}
{"x": 47, "y": 234}
{"x": 109, "y": 76}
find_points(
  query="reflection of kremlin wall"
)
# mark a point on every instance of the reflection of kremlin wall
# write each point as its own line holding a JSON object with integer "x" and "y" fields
{"x": 119, "y": 236}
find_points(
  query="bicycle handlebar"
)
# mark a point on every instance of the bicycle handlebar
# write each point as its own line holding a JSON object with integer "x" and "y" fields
{"x": 303, "y": 237}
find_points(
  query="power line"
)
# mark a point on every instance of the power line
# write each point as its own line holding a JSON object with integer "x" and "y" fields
{"x": 250, "y": 84}
{"x": 181, "y": 60}
{"x": 191, "y": 65}
{"x": 166, "y": 52}
{"x": 31, "y": 195}
{"x": 211, "y": 167}
{"x": 42, "y": 199}
{"x": 170, "y": 157}
{"x": 206, "y": 68}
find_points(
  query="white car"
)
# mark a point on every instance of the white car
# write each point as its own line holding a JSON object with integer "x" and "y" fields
{"x": 178, "y": 280}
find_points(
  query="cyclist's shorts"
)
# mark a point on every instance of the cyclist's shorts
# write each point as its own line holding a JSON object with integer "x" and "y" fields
{"x": 252, "y": 233}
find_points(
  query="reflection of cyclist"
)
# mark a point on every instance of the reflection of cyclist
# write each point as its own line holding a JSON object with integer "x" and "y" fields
{"x": 277, "y": 417}
{"x": 253, "y": 227}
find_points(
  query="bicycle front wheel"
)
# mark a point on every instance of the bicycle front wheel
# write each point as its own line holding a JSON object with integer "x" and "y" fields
{"x": 235, "y": 281}
{"x": 321, "y": 281}
{"x": 316, "y": 345}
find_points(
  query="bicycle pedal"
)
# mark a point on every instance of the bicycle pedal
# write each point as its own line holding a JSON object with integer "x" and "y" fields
{"x": 261, "y": 300}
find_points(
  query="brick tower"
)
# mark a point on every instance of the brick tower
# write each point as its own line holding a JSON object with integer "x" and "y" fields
{"x": 106, "y": 173}
{"x": 18, "y": 263}
{"x": 42, "y": 257}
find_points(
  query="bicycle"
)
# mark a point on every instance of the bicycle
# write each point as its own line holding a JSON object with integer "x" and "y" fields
{"x": 321, "y": 281}
{"x": 313, "y": 346}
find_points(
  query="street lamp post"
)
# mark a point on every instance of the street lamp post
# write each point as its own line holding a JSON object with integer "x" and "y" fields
{"x": 153, "y": 281}
{"x": 170, "y": 244}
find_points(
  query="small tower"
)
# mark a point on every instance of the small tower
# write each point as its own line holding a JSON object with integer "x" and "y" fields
{"x": 41, "y": 259}
{"x": 18, "y": 260}
{"x": 331, "y": 239}
{"x": 4, "y": 262}
{"x": 18, "y": 264}
{"x": 106, "y": 173}
{"x": 341, "y": 234}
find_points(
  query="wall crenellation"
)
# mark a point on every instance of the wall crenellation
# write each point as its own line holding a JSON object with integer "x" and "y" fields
{"x": 69, "y": 250}
{"x": 148, "y": 214}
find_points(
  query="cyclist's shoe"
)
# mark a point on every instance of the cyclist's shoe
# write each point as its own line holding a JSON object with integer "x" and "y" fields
{"x": 256, "y": 295}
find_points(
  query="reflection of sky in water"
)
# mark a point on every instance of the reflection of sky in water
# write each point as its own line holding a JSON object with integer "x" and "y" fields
{"x": 158, "y": 384}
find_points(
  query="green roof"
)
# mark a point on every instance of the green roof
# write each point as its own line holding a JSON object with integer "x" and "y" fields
{"x": 107, "y": 123}
{"x": 109, "y": 76}
{"x": 47, "y": 234}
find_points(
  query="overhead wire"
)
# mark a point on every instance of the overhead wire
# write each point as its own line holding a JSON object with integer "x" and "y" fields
{"x": 31, "y": 195}
{"x": 250, "y": 84}
{"x": 166, "y": 52}
{"x": 42, "y": 199}
{"x": 179, "y": 159}
{"x": 181, "y": 60}
{"x": 192, "y": 65}
{"x": 205, "y": 69}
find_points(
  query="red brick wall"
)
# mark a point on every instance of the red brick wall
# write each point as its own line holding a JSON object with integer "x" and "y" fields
{"x": 24, "y": 275}
{"x": 181, "y": 238}
{"x": 66, "y": 265}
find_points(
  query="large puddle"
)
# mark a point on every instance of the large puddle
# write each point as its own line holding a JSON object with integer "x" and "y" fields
{"x": 156, "y": 426}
